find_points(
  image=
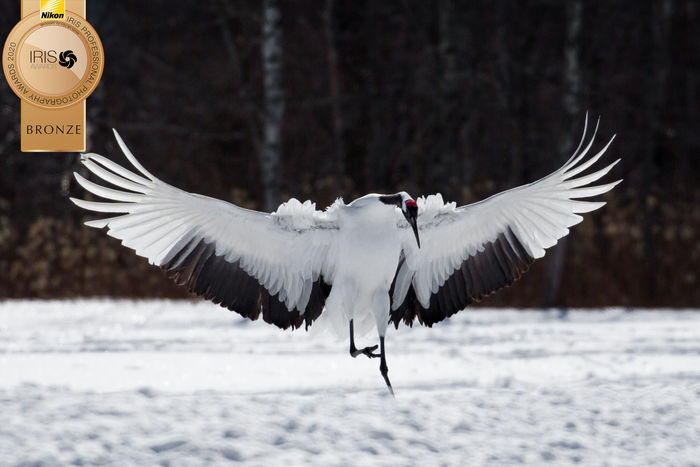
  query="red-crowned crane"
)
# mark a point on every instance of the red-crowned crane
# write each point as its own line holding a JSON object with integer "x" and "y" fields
{"x": 378, "y": 260}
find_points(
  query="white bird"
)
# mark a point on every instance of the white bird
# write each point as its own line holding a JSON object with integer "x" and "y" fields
{"x": 380, "y": 259}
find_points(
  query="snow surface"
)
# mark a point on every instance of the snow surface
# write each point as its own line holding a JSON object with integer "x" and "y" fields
{"x": 186, "y": 383}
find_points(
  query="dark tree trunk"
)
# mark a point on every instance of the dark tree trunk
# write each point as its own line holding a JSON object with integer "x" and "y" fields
{"x": 273, "y": 96}
{"x": 444, "y": 172}
{"x": 656, "y": 145}
{"x": 335, "y": 98}
{"x": 572, "y": 111}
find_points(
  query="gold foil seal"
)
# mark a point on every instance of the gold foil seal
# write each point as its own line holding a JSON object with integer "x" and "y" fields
{"x": 53, "y": 60}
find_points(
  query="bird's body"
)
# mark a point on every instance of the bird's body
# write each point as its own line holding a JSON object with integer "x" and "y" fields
{"x": 366, "y": 263}
{"x": 378, "y": 260}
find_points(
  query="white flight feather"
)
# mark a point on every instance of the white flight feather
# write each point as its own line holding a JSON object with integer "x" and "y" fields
{"x": 538, "y": 214}
{"x": 159, "y": 220}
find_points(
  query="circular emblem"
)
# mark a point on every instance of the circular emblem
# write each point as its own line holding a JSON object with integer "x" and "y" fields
{"x": 53, "y": 64}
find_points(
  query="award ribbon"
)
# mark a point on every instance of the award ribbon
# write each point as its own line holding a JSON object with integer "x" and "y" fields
{"x": 53, "y": 60}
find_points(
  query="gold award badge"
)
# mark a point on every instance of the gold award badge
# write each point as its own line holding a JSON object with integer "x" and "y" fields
{"x": 53, "y": 60}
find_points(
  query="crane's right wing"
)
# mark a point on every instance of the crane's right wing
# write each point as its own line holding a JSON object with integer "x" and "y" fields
{"x": 471, "y": 251}
{"x": 279, "y": 264}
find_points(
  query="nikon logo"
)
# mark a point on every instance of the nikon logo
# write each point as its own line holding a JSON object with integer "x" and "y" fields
{"x": 50, "y": 15}
{"x": 53, "y": 9}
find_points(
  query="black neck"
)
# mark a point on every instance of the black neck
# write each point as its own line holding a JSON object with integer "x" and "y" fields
{"x": 391, "y": 199}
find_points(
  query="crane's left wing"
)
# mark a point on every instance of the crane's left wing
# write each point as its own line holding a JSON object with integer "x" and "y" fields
{"x": 280, "y": 265}
{"x": 471, "y": 251}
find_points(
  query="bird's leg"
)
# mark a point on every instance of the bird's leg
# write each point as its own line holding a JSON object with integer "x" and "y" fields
{"x": 354, "y": 350}
{"x": 383, "y": 369}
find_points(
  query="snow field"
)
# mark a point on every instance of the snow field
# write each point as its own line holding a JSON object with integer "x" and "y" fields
{"x": 102, "y": 382}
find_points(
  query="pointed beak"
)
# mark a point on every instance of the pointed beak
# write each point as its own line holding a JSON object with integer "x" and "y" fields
{"x": 415, "y": 229}
{"x": 411, "y": 215}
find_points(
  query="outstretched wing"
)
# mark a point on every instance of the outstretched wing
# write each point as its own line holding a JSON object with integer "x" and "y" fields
{"x": 279, "y": 264}
{"x": 469, "y": 252}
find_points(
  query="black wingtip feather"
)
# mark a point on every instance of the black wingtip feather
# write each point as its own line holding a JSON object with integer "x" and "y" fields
{"x": 227, "y": 284}
{"x": 501, "y": 263}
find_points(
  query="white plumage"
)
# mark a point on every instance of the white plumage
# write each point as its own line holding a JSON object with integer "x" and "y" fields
{"x": 538, "y": 214}
{"x": 355, "y": 263}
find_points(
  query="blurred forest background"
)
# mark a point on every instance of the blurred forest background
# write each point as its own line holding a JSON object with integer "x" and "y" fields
{"x": 257, "y": 101}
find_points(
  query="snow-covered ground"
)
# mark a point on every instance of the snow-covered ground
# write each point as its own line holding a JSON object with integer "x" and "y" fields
{"x": 187, "y": 383}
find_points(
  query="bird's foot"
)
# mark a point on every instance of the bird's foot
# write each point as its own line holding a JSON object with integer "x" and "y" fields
{"x": 366, "y": 351}
{"x": 385, "y": 374}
